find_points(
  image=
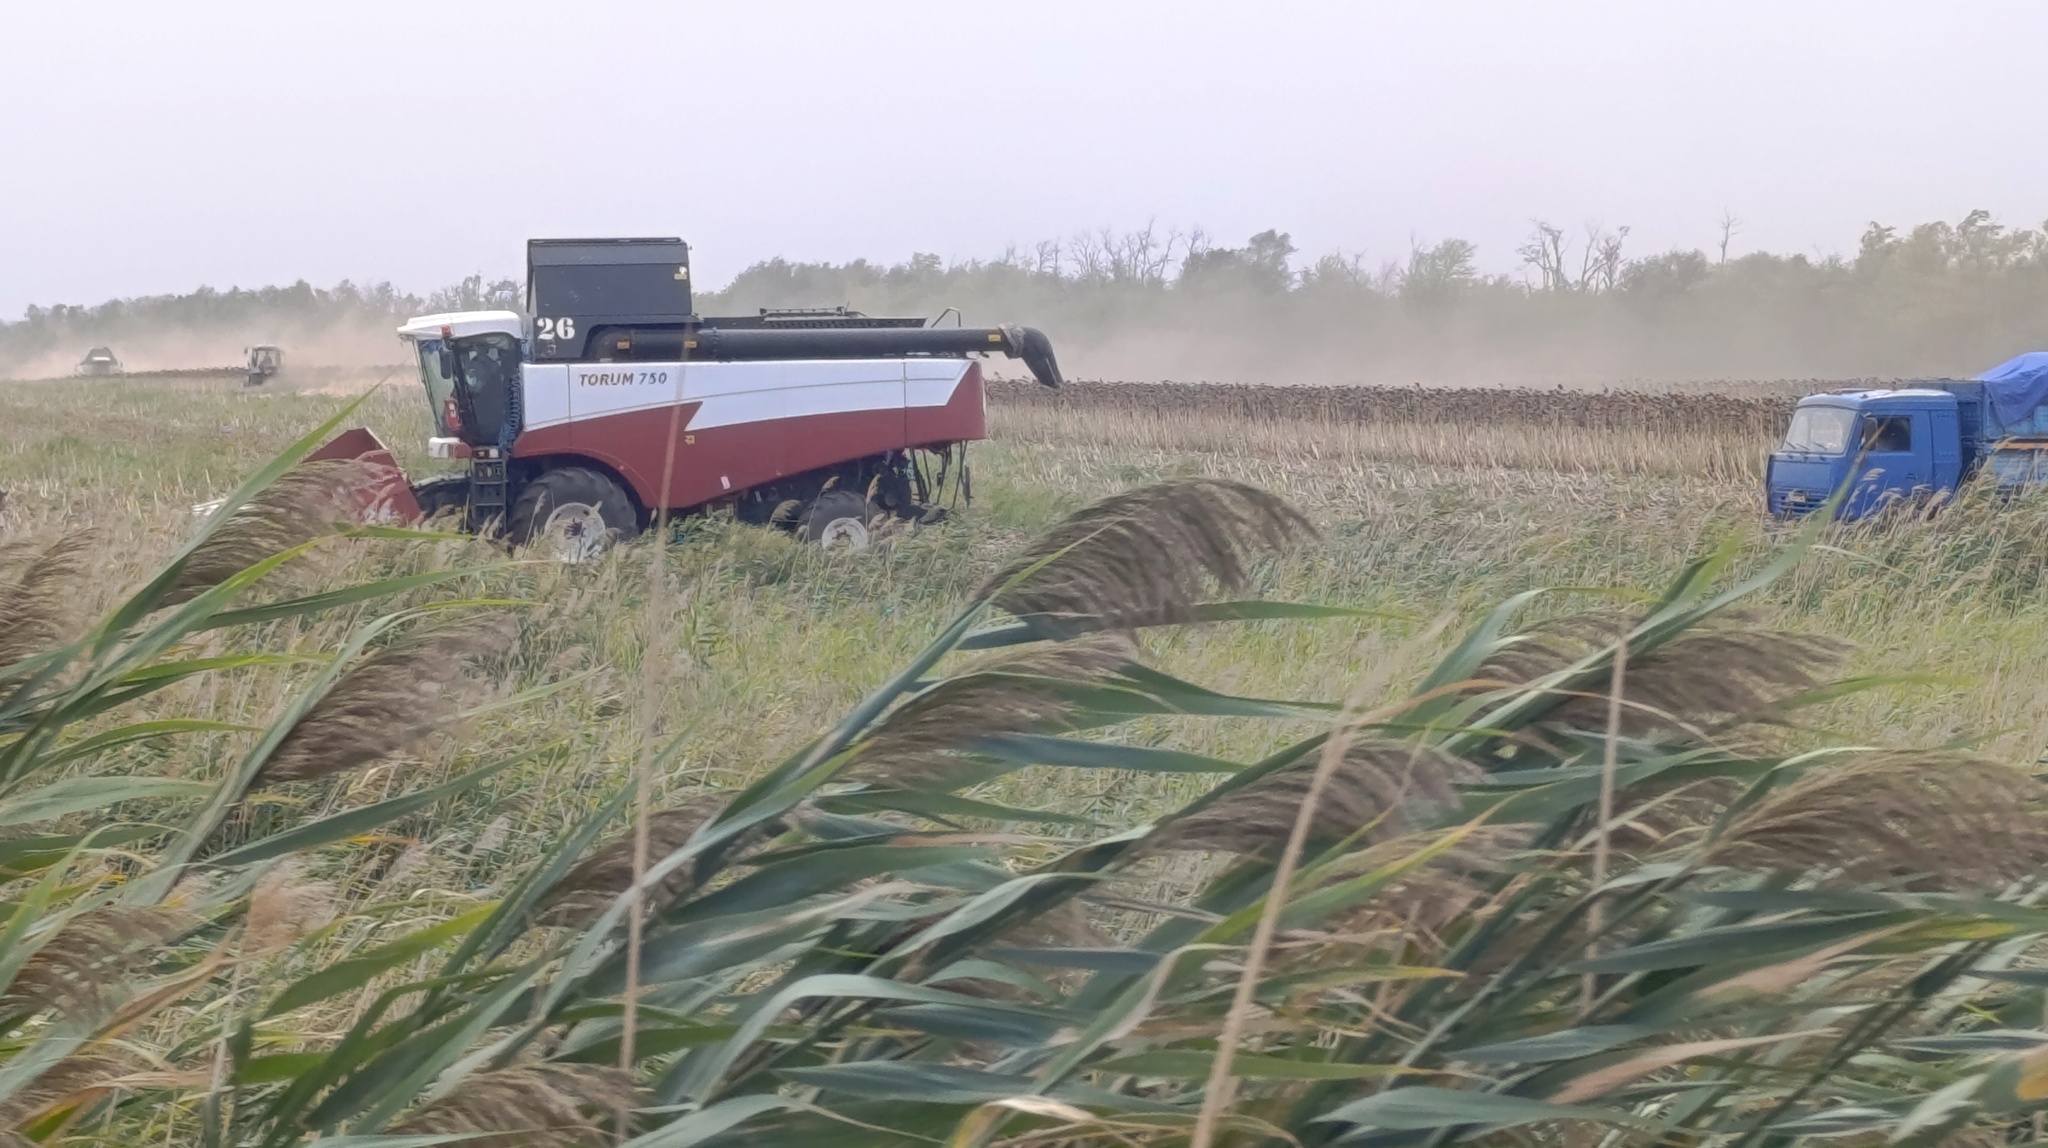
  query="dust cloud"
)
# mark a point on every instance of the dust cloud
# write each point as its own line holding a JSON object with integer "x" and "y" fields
{"x": 147, "y": 346}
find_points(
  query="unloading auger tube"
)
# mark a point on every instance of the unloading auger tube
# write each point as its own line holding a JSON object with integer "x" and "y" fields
{"x": 730, "y": 344}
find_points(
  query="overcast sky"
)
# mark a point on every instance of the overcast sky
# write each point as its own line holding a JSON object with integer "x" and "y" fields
{"x": 159, "y": 147}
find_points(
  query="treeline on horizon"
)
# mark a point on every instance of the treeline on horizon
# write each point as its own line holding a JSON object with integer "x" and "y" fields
{"x": 1935, "y": 299}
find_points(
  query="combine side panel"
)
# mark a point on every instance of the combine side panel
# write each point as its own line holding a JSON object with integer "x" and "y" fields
{"x": 829, "y": 412}
{"x": 733, "y": 440}
{"x": 616, "y": 413}
{"x": 749, "y": 423}
{"x": 543, "y": 395}
{"x": 944, "y": 402}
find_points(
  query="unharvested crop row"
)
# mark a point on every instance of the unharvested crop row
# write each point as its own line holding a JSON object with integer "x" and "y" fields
{"x": 1761, "y": 417}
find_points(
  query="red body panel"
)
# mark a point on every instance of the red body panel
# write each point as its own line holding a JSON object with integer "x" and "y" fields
{"x": 964, "y": 418}
{"x": 722, "y": 461}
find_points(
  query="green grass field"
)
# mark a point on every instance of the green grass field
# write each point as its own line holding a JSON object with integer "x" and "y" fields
{"x": 759, "y": 641}
{"x": 746, "y": 644}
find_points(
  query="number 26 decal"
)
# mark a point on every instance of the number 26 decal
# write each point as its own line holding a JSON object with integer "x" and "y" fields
{"x": 548, "y": 330}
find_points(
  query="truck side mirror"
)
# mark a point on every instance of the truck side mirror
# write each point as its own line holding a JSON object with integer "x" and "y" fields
{"x": 447, "y": 363}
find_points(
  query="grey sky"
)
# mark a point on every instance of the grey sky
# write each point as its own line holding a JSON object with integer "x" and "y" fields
{"x": 158, "y": 147}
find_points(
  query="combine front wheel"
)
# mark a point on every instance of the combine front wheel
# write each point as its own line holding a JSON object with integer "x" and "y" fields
{"x": 572, "y": 515}
{"x": 836, "y": 519}
{"x": 441, "y": 494}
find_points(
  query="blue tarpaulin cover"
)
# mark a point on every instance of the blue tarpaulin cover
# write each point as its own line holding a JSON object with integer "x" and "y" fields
{"x": 2017, "y": 387}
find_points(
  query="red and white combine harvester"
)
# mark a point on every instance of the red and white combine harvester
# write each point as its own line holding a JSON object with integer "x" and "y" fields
{"x": 611, "y": 402}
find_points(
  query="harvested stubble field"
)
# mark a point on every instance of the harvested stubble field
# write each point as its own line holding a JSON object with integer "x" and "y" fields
{"x": 1429, "y": 505}
{"x": 1678, "y": 434}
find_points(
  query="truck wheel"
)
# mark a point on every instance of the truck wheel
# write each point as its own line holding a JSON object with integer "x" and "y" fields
{"x": 572, "y": 514}
{"x": 836, "y": 519}
{"x": 441, "y": 494}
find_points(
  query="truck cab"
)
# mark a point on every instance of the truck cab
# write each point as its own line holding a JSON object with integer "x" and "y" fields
{"x": 1878, "y": 447}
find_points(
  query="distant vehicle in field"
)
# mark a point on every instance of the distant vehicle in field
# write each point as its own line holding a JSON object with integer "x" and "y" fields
{"x": 263, "y": 363}
{"x": 611, "y": 402}
{"x": 98, "y": 361}
{"x": 1881, "y": 447}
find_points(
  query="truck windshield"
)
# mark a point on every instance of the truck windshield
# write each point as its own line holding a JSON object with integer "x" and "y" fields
{"x": 1820, "y": 430}
{"x": 440, "y": 388}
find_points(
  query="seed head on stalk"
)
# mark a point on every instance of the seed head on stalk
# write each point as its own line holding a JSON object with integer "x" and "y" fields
{"x": 39, "y": 605}
{"x": 1147, "y": 555}
{"x": 388, "y": 703}
{"x": 554, "y": 1104}
{"x": 304, "y": 503}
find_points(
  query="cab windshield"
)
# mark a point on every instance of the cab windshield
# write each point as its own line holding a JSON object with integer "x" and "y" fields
{"x": 1820, "y": 430}
{"x": 440, "y": 387}
{"x": 490, "y": 367}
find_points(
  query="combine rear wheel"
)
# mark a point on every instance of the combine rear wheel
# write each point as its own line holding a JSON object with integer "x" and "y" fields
{"x": 572, "y": 514}
{"x": 836, "y": 520}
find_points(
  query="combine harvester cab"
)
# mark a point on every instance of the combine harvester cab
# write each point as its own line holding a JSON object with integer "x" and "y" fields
{"x": 1881, "y": 448}
{"x": 97, "y": 362}
{"x": 611, "y": 403}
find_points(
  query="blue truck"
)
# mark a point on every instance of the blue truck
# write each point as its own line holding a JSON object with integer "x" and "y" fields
{"x": 1881, "y": 447}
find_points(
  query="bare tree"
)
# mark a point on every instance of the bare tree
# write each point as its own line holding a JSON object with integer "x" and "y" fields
{"x": 1197, "y": 246}
{"x": 1548, "y": 252}
{"x": 1157, "y": 257}
{"x": 1049, "y": 260}
{"x": 1544, "y": 252}
{"x": 1730, "y": 227}
{"x": 1600, "y": 263}
{"x": 1091, "y": 257}
{"x": 1140, "y": 256}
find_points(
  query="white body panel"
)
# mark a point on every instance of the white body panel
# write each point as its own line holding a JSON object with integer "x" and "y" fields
{"x": 544, "y": 393}
{"x": 596, "y": 389}
{"x": 734, "y": 393}
{"x": 931, "y": 382}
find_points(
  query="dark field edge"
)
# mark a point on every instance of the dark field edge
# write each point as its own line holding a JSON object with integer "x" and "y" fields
{"x": 1621, "y": 410}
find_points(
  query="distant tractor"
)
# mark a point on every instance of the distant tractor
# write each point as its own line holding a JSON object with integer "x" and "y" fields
{"x": 98, "y": 361}
{"x": 264, "y": 363}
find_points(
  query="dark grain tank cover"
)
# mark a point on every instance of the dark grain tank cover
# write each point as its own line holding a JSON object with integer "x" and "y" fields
{"x": 576, "y": 285}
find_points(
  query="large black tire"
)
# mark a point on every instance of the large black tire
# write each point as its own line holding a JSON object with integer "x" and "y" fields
{"x": 575, "y": 512}
{"x": 440, "y": 494}
{"x": 836, "y": 518}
